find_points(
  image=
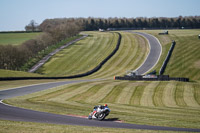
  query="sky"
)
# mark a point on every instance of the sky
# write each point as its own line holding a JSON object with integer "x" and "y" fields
{"x": 16, "y": 14}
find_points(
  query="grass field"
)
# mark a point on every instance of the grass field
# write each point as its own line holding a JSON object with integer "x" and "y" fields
{"x": 185, "y": 59}
{"x": 168, "y": 103}
{"x": 28, "y": 127}
{"x": 12, "y": 73}
{"x": 82, "y": 56}
{"x": 131, "y": 55}
{"x": 88, "y": 53}
{"x": 16, "y": 38}
{"x": 174, "y": 104}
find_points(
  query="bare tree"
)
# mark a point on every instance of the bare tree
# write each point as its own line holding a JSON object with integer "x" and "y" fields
{"x": 32, "y": 26}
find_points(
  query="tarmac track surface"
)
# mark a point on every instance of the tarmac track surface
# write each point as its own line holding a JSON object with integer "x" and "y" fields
{"x": 18, "y": 114}
{"x": 154, "y": 53}
{"x": 8, "y": 112}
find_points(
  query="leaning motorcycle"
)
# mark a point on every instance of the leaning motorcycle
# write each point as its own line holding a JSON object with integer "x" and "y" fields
{"x": 99, "y": 113}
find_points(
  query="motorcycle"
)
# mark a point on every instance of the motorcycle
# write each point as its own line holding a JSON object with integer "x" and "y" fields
{"x": 99, "y": 113}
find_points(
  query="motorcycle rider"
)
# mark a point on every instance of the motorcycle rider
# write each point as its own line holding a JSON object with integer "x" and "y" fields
{"x": 97, "y": 109}
{"x": 105, "y": 106}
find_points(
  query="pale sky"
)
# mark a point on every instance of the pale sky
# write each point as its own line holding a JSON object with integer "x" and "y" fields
{"x": 15, "y": 14}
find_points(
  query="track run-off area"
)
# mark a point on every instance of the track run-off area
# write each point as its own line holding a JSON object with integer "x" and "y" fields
{"x": 144, "y": 103}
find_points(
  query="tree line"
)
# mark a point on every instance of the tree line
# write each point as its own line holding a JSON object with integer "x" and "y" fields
{"x": 143, "y": 23}
{"x": 89, "y": 24}
{"x": 56, "y": 30}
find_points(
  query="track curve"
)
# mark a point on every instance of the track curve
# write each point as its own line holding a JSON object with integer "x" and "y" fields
{"x": 8, "y": 112}
{"x": 154, "y": 53}
{"x": 18, "y": 114}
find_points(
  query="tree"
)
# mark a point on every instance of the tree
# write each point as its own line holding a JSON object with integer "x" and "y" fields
{"x": 32, "y": 26}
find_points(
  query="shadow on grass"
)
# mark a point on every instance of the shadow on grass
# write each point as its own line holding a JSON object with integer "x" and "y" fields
{"x": 111, "y": 119}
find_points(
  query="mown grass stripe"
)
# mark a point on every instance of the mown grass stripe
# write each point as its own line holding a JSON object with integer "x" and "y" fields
{"x": 136, "y": 95}
{"x": 169, "y": 95}
{"x": 84, "y": 55}
{"x": 126, "y": 57}
{"x": 179, "y": 95}
{"x": 125, "y": 96}
{"x": 156, "y": 114}
{"x": 197, "y": 93}
{"x": 91, "y": 91}
{"x": 113, "y": 95}
{"x": 101, "y": 93}
{"x": 104, "y": 70}
{"x": 60, "y": 58}
{"x": 81, "y": 58}
{"x": 130, "y": 55}
{"x": 127, "y": 48}
{"x": 56, "y": 93}
{"x": 161, "y": 110}
{"x": 108, "y": 46}
{"x": 114, "y": 62}
{"x": 138, "y": 54}
{"x": 186, "y": 52}
{"x": 98, "y": 54}
{"x": 147, "y": 96}
{"x": 78, "y": 90}
{"x": 95, "y": 50}
{"x": 158, "y": 95}
{"x": 189, "y": 96}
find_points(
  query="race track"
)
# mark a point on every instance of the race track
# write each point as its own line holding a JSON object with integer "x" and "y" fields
{"x": 8, "y": 112}
{"x": 154, "y": 53}
{"x": 18, "y": 114}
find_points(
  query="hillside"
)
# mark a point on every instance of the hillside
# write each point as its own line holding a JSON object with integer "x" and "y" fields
{"x": 171, "y": 103}
{"x": 184, "y": 61}
{"x": 88, "y": 53}
{"x": 82, "y": 56}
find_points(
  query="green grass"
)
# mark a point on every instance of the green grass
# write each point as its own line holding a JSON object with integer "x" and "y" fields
{"x": 30, "y": 127}
{"x": 82, "y": 56}
{"x": 75, "y": 59}
{"x": 169, "y": 103}
{"x": 29, "y": 64}
{"x": 131, "y": 54}
{"x": 16, "y": 38}
{"x": 12, "y": 73}
{"x": 185, "y": 59}
{"x": 148, "y": 103}
{"x": 89, "y": 52}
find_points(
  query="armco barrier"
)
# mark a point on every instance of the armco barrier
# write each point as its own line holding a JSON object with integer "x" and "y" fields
{"x": 72, "y": 76}
{"x": 162, "y": 69}
{"x": 159, "y": 78}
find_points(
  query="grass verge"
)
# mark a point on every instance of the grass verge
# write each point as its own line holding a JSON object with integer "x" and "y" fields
{"x": 30, "y": 127}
